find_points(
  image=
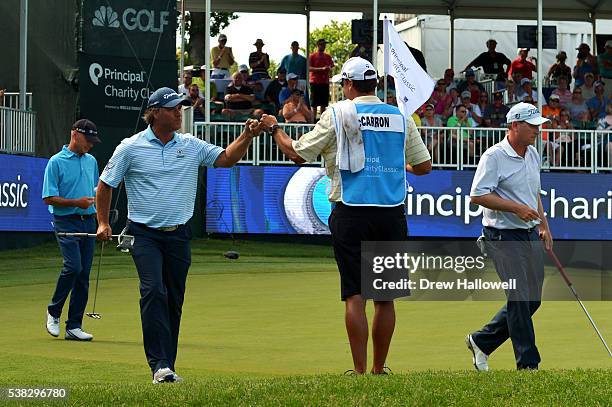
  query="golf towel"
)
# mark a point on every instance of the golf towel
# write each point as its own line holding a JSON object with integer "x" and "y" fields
{"x": 351, "y": 153}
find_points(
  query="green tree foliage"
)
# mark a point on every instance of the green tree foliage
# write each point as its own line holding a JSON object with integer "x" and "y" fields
{"x": 338, "y": 37}
{"x": 195, "y": 28}
{"x": 273, "y": 68}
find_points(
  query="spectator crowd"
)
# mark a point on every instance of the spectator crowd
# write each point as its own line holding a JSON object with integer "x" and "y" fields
{"x": 575, "y": 97}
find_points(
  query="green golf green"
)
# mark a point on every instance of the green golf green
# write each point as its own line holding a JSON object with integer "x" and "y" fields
{"x": 274, "y": 312}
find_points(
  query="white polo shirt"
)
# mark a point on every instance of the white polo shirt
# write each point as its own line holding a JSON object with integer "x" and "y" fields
{"x": 502, "y": 171}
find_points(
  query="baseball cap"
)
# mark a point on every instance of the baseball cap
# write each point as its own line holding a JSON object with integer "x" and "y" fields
{"x": 525, "y": 80}
{"x": 295, "y": 43}
{"x": 222, "y": 37}
{"x": 166, "y": 97}
{"x": 554, "y": 96}
{"x": 88, "y": 129}
{"x": 354, "y": 69}
{"x": 243, "y": 68}
{"x": 525, "y": 112}
{"x": 469, "y": 72}
{"x": 523, "y": 49}
{"x": 466, "y": 94}
{"x": 608, "y": 44}
{"x": 598, "y": 83}
{"x": 321, "y": 41}
{"x": 291, "y": 76}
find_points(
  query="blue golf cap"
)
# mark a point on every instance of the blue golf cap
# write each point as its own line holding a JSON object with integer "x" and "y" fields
{"x": 166, "y": 97}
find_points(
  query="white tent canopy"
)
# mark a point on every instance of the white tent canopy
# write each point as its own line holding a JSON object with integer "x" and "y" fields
{"x": 564, "y": 10}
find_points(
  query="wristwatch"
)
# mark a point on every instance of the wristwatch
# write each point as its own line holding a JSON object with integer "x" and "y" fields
{"x": 273, "y": 128}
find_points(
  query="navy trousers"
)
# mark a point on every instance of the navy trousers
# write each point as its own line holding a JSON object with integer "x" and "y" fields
{"x": 162, "y": 260}
{"x": 74, "y": 277}
{"x": 517, "y": 254}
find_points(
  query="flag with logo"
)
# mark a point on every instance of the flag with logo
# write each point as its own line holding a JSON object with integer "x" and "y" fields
{"x": 413, "y": 86}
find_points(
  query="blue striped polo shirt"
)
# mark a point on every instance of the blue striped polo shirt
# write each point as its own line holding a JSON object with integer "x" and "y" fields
{"x": 160, "y": 180}
{"x": 71, "y": 176}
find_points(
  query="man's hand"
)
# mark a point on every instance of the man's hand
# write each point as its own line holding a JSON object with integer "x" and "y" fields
{"x": 526, "y": 213}
{"x": 85, "y": 202}
{"x": 252, "y": 128}
{"x": 105, "y": 232}
{"x": 546, "y": 237}
{"x": 268, "y": 121}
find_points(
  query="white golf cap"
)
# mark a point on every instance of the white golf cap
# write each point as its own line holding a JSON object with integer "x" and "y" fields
{"x": 354, "y": 69}
{"x": 524, "y": 112}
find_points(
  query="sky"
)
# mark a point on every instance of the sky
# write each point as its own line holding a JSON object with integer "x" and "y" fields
{"x": 276, "y": 30}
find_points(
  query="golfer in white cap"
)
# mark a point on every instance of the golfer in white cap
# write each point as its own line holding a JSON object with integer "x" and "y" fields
{"x": 507, "y": 185}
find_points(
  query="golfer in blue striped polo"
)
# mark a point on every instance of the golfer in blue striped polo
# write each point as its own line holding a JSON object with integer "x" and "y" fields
{"x": 160, "y": 169}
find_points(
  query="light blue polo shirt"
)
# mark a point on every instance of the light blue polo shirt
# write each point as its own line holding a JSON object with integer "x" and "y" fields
{"x": 161, "y": 180}
{"x": 502, "y": 171}
{"x": 70, "y": 176}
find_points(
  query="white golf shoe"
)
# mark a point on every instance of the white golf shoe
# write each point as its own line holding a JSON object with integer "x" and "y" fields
{"x": 479, "y": 358}
{"x": 53, "y": 325}
{"x": 166, "y": 375}
{"x": 77, "y": 334}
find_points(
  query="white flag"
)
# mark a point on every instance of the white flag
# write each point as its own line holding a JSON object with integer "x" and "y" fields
{"x": 413, "y": 86}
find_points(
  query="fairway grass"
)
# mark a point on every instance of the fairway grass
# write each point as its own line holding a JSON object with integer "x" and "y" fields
{"x": 268, "y": 329}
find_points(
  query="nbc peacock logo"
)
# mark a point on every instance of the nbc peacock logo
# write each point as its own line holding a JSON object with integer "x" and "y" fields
{"x": 106, "y": 17}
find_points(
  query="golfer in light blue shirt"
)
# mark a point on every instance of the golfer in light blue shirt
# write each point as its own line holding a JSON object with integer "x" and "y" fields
{"x": 160, "y": 170}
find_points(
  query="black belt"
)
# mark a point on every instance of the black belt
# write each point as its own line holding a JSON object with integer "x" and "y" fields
{"x": 528, "y": 230}
{"x": 77, "y": 216}
{"x": 161, "y": 229}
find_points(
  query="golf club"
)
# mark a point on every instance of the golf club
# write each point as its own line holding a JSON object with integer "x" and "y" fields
{"x": 125, "y": 242}
{"x": 554, "y": 258}
{"x": 93, "y": 314}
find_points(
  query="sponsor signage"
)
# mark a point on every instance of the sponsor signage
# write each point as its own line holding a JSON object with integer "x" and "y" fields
{"x": 129, "y": 28}
{"x": 291, "y": 200}
{"x": 21, "y": 206}
{"x": 115, "y": 90}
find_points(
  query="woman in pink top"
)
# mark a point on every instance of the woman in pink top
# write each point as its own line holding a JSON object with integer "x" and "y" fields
{"x": 565, "y": 96}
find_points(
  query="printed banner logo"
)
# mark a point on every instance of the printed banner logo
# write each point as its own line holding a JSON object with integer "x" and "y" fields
{"x": 132, "y": 19}
{"x": 95, "y": 72}
{"x": 105, "y": 17}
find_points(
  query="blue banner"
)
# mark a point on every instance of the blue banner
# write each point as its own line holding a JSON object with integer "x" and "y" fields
{"x": 21, "y": 206}
{"x": 293, "y": 200}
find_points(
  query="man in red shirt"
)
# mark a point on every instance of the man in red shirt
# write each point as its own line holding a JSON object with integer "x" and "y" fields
{"x": 522, "y": 65}
{"x": 320, "y": 64}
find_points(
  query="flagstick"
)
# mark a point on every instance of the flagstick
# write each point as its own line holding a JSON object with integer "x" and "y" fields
{"x": 385, "y": 57}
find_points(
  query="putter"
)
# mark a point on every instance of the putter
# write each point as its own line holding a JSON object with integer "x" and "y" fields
{"x": 125, "y": 242}
{"x": 554, "y": 258}
{"x": 93, "y": 314}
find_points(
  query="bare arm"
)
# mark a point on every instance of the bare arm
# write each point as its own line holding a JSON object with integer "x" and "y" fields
{"x": 423, "y": 168}
{"x": 103, "y": 199}
{"x": 83, "y": 203}
{"x": 497, "y": 203}
{"x": 239, "y": 147}
{"x": 284, "y": 143}
{"x": 545, "y": 234}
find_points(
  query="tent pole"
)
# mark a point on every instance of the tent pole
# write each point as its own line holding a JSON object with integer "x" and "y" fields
{"x": 23, "y": 53}
{"x": 451, "y": 40}
{"x": 594, "y": 35}
{"x": 207, "y": 68}
{"x": 375, "y": 34}
{"x": 539, "y": 62}
{"x": 307, "y": 53}
{"x": 182, "y": 59}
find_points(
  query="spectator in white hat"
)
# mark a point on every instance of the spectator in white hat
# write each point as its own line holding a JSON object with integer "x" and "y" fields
{"x": 222, "y": 58}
